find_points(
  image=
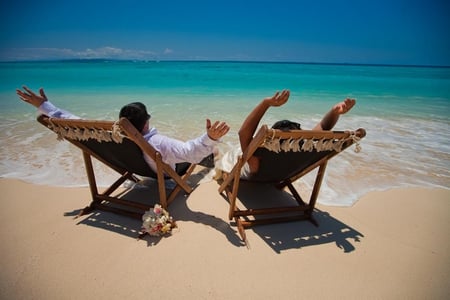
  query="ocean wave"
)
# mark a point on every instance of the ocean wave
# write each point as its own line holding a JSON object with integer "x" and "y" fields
{"x": 395, "y": 153}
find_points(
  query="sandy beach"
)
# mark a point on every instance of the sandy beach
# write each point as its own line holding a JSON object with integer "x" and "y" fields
{"x": 390, "y": 245}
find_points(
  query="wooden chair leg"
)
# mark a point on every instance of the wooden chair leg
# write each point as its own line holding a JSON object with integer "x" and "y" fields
{"x": 178, "y": 187}
{"x": 90, "y": 174}
{"x": 241, "y": 231}
{"x": 317, "y": 185}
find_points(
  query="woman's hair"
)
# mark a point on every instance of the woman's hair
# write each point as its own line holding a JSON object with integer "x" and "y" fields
{"x": 136, "y": 113}
{"x": 286, "y": 125}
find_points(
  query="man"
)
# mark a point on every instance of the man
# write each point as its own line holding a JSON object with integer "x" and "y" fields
{"x": 173, "y": 151}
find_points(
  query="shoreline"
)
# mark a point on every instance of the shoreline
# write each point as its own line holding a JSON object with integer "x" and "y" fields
{"x": 389, "y": 245}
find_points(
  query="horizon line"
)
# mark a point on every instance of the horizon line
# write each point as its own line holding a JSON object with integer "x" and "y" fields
{"x": 220, "y": 61}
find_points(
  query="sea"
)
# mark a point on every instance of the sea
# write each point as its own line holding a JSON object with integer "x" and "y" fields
{"x": 404, "y": 109}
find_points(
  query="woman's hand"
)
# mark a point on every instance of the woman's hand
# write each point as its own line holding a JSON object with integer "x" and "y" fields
{"x": 278, "y": 99}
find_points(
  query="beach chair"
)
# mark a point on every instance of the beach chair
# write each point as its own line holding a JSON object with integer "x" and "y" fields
{"x": 285, "y": 157}
{"x": 119, "y": 146}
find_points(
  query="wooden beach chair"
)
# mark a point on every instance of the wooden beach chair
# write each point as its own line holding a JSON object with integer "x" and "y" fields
{"x": 285, "y": 157}
{"x": 119, "y": 146}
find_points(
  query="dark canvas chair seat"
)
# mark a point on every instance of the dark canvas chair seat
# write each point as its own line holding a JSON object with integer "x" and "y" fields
{"x": 278, "y": 167}
{"x": 284, "y": 158}
{"x": 119, "y": 146}
{"x": 127, "y": 156}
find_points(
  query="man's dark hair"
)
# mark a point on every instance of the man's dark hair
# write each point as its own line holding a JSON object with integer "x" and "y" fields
{"x": 136, "y": 113}
{"x": 286, "y": 125}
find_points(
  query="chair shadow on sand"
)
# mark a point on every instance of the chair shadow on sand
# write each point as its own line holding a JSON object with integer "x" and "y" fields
{"x": 147, "y": 192}
{"x": 296, "y": 234}
{"x": 279, "y": 237}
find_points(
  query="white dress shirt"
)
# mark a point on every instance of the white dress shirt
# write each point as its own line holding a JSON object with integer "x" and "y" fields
{"x": 172, "y": 151}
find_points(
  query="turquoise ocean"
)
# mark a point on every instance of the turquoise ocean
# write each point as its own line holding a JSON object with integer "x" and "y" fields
{"x": 405, "y": 110}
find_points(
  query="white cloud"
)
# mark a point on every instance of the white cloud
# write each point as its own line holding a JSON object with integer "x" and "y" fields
{"x": 64, "y": 53}
{"x": 168, "y": 51}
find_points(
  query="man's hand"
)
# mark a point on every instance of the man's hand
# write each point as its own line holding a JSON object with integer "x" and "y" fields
{"x": 30, "y": 97}
{"x": 216, "y": 130}
{"x": 278, "y": 99}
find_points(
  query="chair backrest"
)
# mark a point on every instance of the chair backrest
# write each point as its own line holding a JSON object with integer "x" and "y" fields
{"x": 284, "y": 155}
{"x": 125, "y": 155}
{"x": 113, "y": 143}
{"x": 99, "y": 140}
{"x": 277, "y": 167}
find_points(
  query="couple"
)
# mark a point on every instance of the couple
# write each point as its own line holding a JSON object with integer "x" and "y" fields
{"x": 174, "y": 151}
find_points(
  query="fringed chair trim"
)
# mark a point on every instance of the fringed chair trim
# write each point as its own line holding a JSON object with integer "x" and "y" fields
{"x": 277, "y": 145}
{"x": 85, "y": 133}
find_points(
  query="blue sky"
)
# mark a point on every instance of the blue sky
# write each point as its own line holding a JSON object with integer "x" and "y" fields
{"x": 342, "y": 31}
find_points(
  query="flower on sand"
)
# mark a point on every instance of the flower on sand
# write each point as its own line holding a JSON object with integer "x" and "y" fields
{"x": 157, "y": 222}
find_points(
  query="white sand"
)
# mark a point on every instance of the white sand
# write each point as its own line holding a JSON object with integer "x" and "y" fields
{"x": 390, "y": 245}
